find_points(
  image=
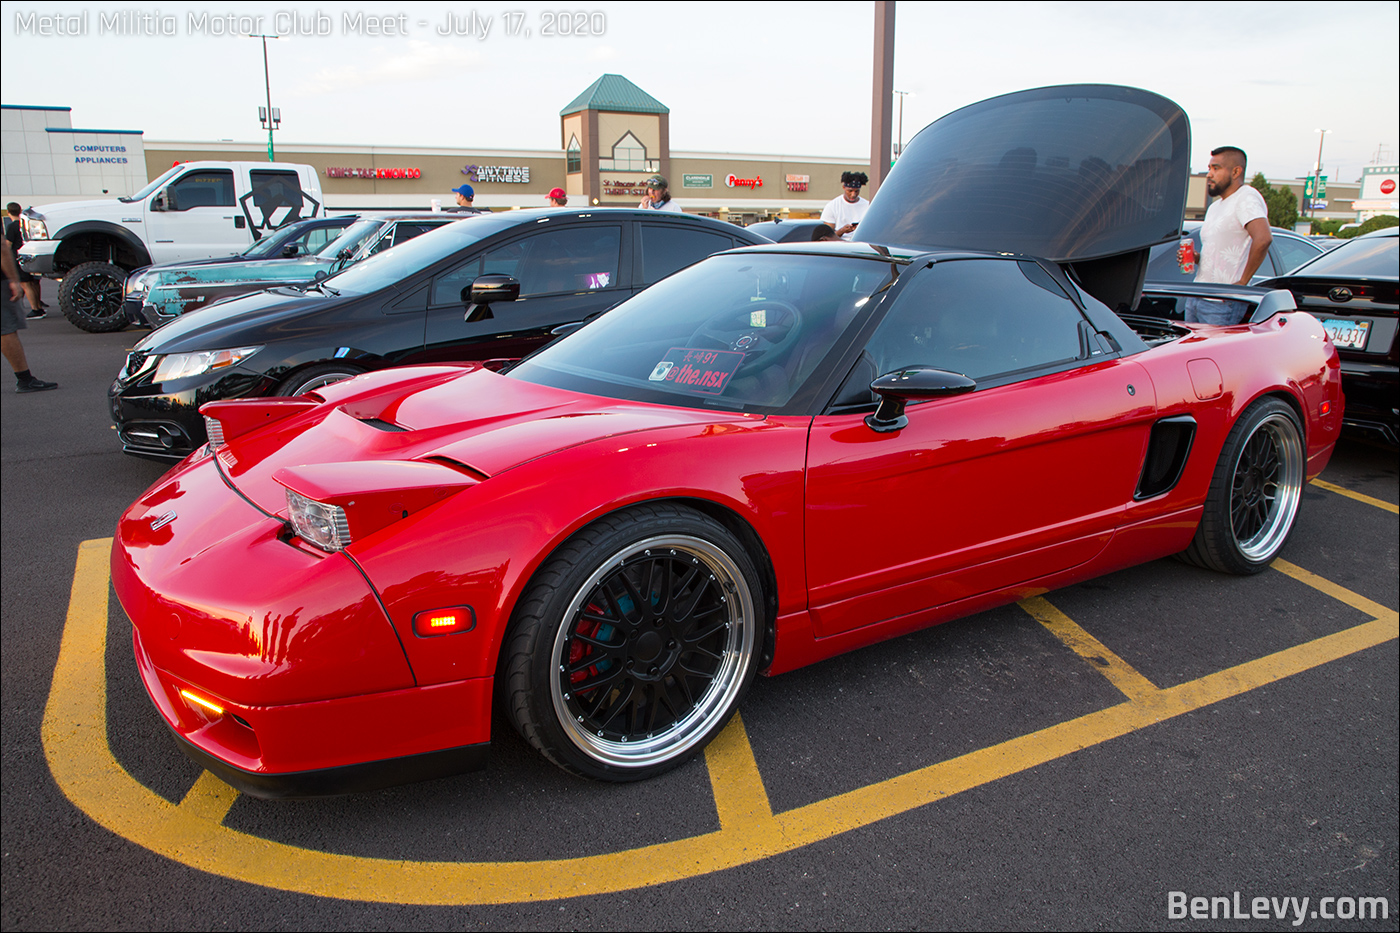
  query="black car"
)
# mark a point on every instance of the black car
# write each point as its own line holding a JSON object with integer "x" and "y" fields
{"x": 444, "y": 296}
{"x": 1354, "y": 290}
{"x": 793, "y": 231}
{"x": 1288, "y": 251}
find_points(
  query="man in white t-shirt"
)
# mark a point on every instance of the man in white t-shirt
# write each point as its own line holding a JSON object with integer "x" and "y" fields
{"x": 843, "y": 213}
{"x": 1235, "y": 237}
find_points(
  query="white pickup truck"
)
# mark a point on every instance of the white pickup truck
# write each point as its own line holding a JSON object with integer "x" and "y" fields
{"x": 196, "y": 210}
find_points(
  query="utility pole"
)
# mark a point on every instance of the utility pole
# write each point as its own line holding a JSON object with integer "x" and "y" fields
{"x": 882, "y": 96}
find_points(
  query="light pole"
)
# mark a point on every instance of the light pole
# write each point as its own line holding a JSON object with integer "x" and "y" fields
{"x": 899, "y": 150}
{"x": 1317, "y": 175}
{"x": 270, "y": 118}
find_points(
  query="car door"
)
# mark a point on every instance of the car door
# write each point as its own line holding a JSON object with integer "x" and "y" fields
{"x": 566, "y": 272}
{"x": 200, "y": 218}
{"x": 1028, "y": 475}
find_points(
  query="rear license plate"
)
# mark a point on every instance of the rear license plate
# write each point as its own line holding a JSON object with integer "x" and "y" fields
{"x": 1347, "y": 335}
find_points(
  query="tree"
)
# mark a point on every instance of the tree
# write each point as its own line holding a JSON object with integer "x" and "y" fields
{"x": 1283, "y": 204}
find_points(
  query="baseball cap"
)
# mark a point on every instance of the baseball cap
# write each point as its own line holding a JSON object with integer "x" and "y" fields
{"x": 557, "y": 193}
{"x": 465, "y": 191}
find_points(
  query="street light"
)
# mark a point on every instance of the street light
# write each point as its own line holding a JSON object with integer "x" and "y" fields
{"x": 1317, "y": 175}
{"x": 899, "y": 150}
{"x": 270, "y": 117}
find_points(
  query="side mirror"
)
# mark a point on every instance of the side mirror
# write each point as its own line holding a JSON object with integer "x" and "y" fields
{"x": 290, "y": 251}
{"x": 897, "y": 388}
{"x": 160, "y": 202}
{"x": 485, "y": 290}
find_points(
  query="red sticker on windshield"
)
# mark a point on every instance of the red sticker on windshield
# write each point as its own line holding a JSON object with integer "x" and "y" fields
{"x": 706, "y": 371}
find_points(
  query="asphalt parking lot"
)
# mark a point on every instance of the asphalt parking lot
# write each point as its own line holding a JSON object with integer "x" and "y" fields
{"x": 1098, "y": 758}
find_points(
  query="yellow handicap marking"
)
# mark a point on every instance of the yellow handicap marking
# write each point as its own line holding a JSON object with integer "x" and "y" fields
{"x": 192, "y": 833}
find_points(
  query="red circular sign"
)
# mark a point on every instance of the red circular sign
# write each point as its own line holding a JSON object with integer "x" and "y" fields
{"x": 1388, "y": 186}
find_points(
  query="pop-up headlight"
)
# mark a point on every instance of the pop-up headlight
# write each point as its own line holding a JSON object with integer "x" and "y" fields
{"x": 318, "y": 523}
{"x": 331, "y": 504}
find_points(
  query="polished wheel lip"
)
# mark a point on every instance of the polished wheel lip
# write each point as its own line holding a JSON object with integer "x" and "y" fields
{"x": 719, "y": 696}
{"x": 1268, "y": 472}
{"x": 324, "y": 379}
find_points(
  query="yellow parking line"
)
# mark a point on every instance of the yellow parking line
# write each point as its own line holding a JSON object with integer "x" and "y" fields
{"x": 1358, "y": 496}
{"x": 209, "y": 799}
{"x": 740, "y": 797}
{"x": 75, "y": 745}
{"x": 1119, "y": 672}
{"x": 1355, "y": 600}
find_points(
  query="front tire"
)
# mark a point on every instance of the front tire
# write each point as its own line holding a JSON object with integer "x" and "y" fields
{"x": 91, "y": 297}
{"x": 1255, "y": 492}
{"x": 634, "y": 643}
{"x": 313, "y": 377}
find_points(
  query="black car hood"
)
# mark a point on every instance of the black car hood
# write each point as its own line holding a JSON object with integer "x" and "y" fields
{"x": 1080, "y": 174}
{"x": 235, "y": 322}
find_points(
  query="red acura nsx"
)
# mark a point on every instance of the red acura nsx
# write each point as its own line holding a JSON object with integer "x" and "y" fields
{"x": 782, "y": 453}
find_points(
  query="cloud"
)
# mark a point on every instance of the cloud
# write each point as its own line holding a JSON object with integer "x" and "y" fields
{"x": 423, "y": 61}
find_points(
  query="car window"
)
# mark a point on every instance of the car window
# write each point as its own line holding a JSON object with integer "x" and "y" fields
{"x": 983, "y": 318}
{"x": 1368, "y": 256}
{"x": 738, "y": 331}
{"x": 313, "y": 241}
{"x": 575, "y": 259}
{"x": 1292, "y": 253}
{"x": 212, "y": 188}
{"x": 666, "y": 248}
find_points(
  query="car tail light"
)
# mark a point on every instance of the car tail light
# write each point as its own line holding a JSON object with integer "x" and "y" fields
{"x": 444, "y": 621}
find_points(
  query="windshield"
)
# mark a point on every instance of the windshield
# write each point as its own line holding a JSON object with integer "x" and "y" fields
{"x": 144, "y": 192}
{"x": 1370, "y": 256}
{"x": 393, "y": 265}
{"x": 352, "y": 238}
{"x": 737, "y": 331}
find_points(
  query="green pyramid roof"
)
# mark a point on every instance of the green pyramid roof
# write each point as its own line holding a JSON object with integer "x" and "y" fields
{"x": 615, "y": 93}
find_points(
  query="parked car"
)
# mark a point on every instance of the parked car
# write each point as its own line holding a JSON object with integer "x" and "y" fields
{"x": 161, "y": 293}
{"x": 1355, "y": 291}
{"x": 1286, "y": 252}
{"x": 792, "y": 231}
{"x": 194, "y": 210}
{"x": 774, "y": 456}
{"x": 405, "y": 305}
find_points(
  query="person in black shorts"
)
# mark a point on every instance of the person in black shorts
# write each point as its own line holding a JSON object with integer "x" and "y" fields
{"x": 13, "y": 233}
{"x": 12, "y": 322}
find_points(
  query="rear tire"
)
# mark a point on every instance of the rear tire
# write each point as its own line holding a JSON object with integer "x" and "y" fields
{"x": 91, "y": 297}
{"x": 1255, "y": 492}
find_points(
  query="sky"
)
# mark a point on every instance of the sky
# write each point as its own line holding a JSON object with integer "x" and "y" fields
{"x": 760, "y": 78}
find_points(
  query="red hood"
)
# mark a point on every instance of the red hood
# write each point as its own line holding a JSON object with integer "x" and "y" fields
{"x": 476, "y": 418}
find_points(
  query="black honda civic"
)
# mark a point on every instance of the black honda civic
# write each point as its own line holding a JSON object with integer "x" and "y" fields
{"x": 494, "y": 288}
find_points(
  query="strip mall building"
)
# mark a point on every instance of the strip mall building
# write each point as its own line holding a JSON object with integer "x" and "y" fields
{"x": 612, "y": 137}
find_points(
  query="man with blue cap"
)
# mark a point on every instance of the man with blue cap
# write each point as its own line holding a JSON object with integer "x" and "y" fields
{"x": 464, "y": 201}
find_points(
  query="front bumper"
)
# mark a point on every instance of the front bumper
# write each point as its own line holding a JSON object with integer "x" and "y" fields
{"x": 273, "y": 663}
{"x": 36, "y": 256}
{"x": 161, "y": 421}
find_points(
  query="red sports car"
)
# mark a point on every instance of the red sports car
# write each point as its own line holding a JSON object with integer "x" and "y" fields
{"x": 780, "y": 454}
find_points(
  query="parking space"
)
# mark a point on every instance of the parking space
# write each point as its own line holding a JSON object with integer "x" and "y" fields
{"x": 1066, "y": 761}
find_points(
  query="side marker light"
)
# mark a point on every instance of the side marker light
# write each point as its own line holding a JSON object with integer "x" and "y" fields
{"x": 200, "y": 701}
{"x": 444, "y": 621}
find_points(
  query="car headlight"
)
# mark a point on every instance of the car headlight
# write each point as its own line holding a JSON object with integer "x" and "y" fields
{"x": 318, "y": 523}
{"x": 34, "y": 227}
{"x": 138, "y": 284}
{"x": 184, "y": 365}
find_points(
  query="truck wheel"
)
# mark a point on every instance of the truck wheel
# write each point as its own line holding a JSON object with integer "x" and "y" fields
{"x": 91, "y": 297}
